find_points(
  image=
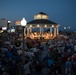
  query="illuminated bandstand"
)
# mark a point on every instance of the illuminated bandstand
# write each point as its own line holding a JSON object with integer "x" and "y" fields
{"x": 42, "y": 21}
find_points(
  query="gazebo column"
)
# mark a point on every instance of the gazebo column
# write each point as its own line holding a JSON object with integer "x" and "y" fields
{"x": 51, "y": 31}
{"x": 40, "y": 32}
{"x": 55, "y": 31}
{"x": 30, "y": 30}
{"x": 27, "y": 32}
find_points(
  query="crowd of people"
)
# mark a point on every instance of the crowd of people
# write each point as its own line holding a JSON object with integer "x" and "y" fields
{"x": 63, "y": 54}
{"x": 60, "y": 58}
{"x": 16, "y": 61}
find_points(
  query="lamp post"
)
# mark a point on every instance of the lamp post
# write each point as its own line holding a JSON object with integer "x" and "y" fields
{"x": 65, "y": 30}
{"x": 9, "y": 26}
{"x": 69, "y": 29}
{"x": 23, "y": 24}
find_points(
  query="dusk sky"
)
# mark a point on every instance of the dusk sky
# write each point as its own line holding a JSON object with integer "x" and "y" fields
{"x": 62, "y": 12}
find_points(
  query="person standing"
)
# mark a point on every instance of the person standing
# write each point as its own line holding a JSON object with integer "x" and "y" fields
{"x": 74, "y": 68}
{"x": 27, "y": 68}
{"x": 74, "y": 63}
{"x": 68, "y": 66}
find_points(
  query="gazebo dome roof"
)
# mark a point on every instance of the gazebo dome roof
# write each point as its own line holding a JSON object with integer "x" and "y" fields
{"x": 41, "y": 21}
{"x": 42, "y": 13}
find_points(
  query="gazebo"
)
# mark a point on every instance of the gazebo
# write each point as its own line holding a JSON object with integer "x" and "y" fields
{"x": 41, "y": 21}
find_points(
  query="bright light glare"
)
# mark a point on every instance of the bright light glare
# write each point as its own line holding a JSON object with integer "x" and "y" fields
{"x": 64, "y": 27}
{"x": 9, "y": 21}
{"x": 38, "y": 26}
{"x": 23, "y": 22}
{"x": 4, "y": 28}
